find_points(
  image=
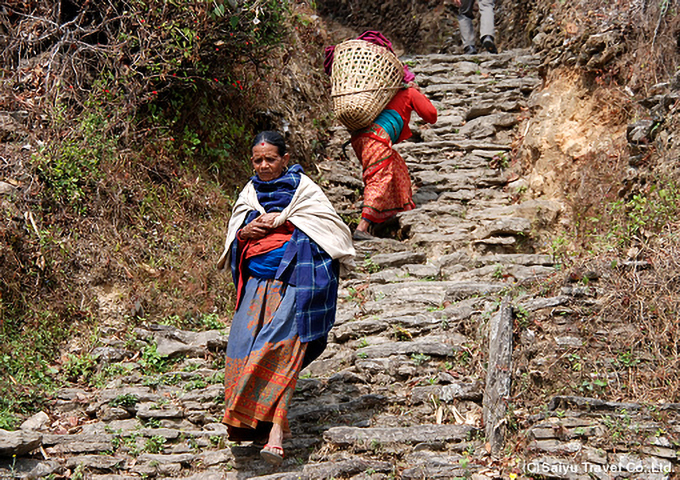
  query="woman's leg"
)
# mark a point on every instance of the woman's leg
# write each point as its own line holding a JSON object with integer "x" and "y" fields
{"x": 363, "y": 225}
{"x": 276, "y": 436}
{"x": 387, "y": 184}
{"x": 264, "y": 356}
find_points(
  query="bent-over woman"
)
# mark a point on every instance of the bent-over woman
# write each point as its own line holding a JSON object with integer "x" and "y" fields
{"x": 387, "y": 184}
{"x": 286, "y": 246}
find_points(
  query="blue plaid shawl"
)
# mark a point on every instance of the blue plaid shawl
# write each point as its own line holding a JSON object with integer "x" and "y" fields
{"x": 304, "y": 265}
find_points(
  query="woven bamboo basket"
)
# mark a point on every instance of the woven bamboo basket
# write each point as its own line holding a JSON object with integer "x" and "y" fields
{"x": 364, "y": 79}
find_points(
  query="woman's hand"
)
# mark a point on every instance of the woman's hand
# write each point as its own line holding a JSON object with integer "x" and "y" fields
{"x": 259, "y": 227}
{"x": 267, "y": 220}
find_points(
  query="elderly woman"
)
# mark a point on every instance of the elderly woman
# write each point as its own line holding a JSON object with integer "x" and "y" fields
{"x": 286, "y": 246}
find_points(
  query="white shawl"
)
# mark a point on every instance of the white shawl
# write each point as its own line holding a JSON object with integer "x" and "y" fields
{"x": 310, "y": 211}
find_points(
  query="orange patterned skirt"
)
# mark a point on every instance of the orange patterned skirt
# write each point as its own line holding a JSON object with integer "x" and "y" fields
{"x": 387, "y": 184}
{"x": 264, "y": 358}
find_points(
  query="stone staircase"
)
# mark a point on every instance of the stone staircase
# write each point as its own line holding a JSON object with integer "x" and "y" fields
{"x": 402, "y": 391}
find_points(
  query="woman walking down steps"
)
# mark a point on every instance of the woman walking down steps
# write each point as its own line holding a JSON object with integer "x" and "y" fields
{"x": 285, "y": 245}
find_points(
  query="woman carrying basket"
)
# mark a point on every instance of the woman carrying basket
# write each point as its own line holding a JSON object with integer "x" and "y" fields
{"x": 387, "y": 183}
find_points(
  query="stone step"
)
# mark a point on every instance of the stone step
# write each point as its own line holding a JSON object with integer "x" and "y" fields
{"x": 373, "y": 438}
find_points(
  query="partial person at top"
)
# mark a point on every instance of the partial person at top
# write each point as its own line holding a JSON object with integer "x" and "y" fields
{"x": 486, "y": 25}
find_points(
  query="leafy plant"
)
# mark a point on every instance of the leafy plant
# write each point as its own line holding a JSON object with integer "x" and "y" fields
{"x": 80, "y": 367}
{"x": 154, "y": 444}
{"x": 212, "y": 321}
{"x": 420, "y": 358}
{"x": 126, "y": 400}
{"x": 402, "y": 334}
{"x": 195, "y": 384}
{"x": 370, "y": 266}
{"x": 522, "y": 316}
{"x": 151, "y": 360}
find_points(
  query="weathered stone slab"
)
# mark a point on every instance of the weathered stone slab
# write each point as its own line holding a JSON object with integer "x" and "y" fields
{"x": 217, "y": 457}
{"x": 167, "y": 433}
{"x": 423, "y": 347}
{"x": 466, "y": 145}
{"x": 207, "y": 394}
{"x": 367, "y": 437}
{"x": 172, "y": 342}
{"x": 111, "y": 427}
{"x": 392, "y": 260}
{"x": 182, "y": 459}
{"x": 498, "y": 376}
{"x": 457, "y": 238}
{"x": 344, "y": 468}
{"x": 419, "y": 272}
{"x": 373, "y": 366}
{"x": 564, "y": 402}
{"x": 110, "y": 354}
{"x": 461, "y": 290}
{"x": 504, "y": 226}
{"x": 359, "y": 328}
{"x": 141, "y": 394}
{"x": 555, "y": 447}
{"x": 98, "y": 462}
{"x": 428, "y": 293}
{"x": 313, "y": 412}
{"x": 28, "y": 468}
{"x": 19, "y": 442}
{"x": 534, "y": 304}
{"x": 662, "y": 452}
{"x": 79, "y": 443}
{"x": 515, "y": 259}
{"x": 479, "y": 110}
{"x": 36, "y": 422}
{"x": 448, "y": 393}
{"x": 434, "y": 465}
{"x": 431, "y": 293}
{"x": 152, "y": 410}
{"x": 108, "y": 413}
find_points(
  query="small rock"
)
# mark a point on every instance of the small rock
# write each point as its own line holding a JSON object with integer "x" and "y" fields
{"x": 36, "y": 422}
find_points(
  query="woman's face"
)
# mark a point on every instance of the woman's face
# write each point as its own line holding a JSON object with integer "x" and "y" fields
{"x": 267, "y": 162}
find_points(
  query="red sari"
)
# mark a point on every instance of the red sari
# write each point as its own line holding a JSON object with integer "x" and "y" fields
{"x": 387, "y": 184}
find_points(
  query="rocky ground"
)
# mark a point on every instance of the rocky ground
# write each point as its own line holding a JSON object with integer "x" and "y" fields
{"x": 422, "y": 375}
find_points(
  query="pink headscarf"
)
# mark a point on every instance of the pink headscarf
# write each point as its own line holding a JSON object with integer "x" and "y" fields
{"x": 374, "y": 37}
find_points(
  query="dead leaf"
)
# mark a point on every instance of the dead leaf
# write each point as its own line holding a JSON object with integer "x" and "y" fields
{"x": 440, "y": 414}
{"x": 456, "y": 415}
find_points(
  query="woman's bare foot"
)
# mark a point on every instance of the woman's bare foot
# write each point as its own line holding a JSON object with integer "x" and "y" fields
{"x": 276, "y": 436}
{"x": 273, "y": 451}
{"x": 363, "y": 225}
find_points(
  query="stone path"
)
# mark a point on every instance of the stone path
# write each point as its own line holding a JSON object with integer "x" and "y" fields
{"x": 402, "y": 391}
